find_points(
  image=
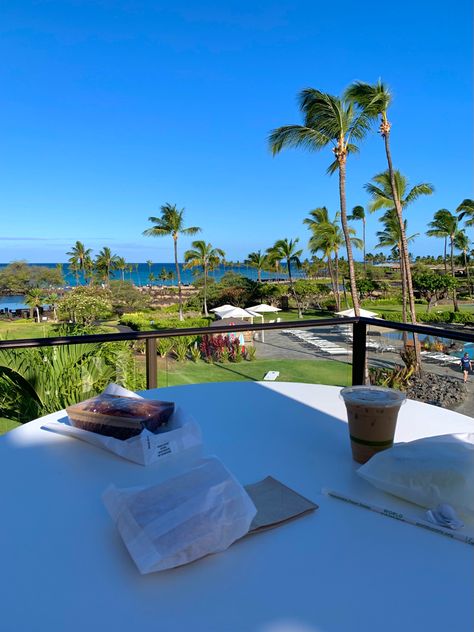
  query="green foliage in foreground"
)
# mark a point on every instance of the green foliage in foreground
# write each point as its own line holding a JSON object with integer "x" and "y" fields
{"x": 35, "y": 382}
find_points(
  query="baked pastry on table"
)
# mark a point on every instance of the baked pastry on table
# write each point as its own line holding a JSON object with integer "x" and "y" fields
{"x": 120, "y": 417}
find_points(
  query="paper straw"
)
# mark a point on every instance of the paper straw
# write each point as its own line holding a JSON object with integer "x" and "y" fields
{"x": 402, "y": 517}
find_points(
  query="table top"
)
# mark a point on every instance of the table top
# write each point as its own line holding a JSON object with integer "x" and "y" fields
{"x": 339, "y": 569}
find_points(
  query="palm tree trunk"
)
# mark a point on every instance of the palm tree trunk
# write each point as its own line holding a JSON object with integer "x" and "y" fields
{"x": 455, "y": 298}
{"x": 467, "y": 274}
{"x": 336, "y": 281}
{"x": 404, "y": 294}
{"x": 345, "y": 229}
{"x": 445, "y": 255}
{"x": 259, "y": 275}
{"x": 404, "y": 249}
{"x": 363, "y": 234}
{"x": 334, "y": 288}
{"x": 300, "y": 314}
{"x": 123, "y": 274}
{"x": 205, "y": 291}
{"x": 178, "y": 277}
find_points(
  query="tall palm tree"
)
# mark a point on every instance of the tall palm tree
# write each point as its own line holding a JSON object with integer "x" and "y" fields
{"x": 358, "y": 213}
{"x": 463, "y": 243}
{"x": 121, "y": 264}
{"x": 206, "y": 257}
{"x": 105, "y": 263}
{"x": 286, "y": 250}
{"x": 80, "y": 254}
{"x": 380, "y": 190}
{"x": 34, "y": 299}
{"x": 328, "y": 238}
{"x": 390, "y": 237}
{"x": 319, "y": 218}
{"x": 258, "y": 261}
{"x": 328, "y": 120}
{"x": 445, "y": 224}
{"x": 171, "y": 222}
{"x": 376, "y": 100}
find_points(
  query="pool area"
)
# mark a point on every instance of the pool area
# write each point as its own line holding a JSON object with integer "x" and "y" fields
{"x": 456, "y": 350}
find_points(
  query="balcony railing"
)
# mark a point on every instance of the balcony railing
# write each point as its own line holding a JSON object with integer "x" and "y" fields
{"x": 359, "y": 338}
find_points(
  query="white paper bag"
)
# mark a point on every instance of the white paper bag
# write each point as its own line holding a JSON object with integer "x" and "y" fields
{"x": 201, "y": 511}
{"x": 146, "y": 448}
{"x": 427, "y": 471}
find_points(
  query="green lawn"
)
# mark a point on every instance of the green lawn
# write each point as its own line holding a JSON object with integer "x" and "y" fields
{"x": 420, "y": 309}
{"x": 7, "y": 424}
{"x": 333, "y": 372}
{"x": 292, "y": 314}
{"x": 23, "y": 329}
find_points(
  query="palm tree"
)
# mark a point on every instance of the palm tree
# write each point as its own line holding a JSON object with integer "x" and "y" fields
{"x": 462, "y": 243}
{"x": 121, "y": 264}
{"x": 130, "y": 269}
{"x": 171, "y": 222}
{"x": 390, "y": 237}
{"x": 466, "y": 209}
{"x": 79, "y": 254}
{"x": 319, "y": 218}
{"x": 286, "y": 250}
{"x": 328, "y": 238}
{"x": 328, "y": 120}
{"x": 376, "y": 99}
{"x": 440, "y": 227}
{"x": 206, "y": 257}
{"x": 258, "y": 261}
{"x": 358, "y": 213}
{"x": 445, "y": 224}
{"x": 380, "y": 189}
{"x": 105, "y": 263}
{"x": 34, "y": 299}
{"x": 74, "y": 268}
{"x": 53, "y": 300}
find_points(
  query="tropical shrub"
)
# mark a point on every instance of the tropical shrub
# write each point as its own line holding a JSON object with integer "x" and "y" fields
{"x": 84, "y": 305}
{"x": 250, "y": 353}
{"x": 35, "y": 382}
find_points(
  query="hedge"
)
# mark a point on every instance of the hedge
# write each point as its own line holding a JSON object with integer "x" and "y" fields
{"x": 141, "y": 321}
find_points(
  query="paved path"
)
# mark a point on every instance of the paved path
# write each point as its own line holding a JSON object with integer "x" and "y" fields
{"x": 284, "y": 346}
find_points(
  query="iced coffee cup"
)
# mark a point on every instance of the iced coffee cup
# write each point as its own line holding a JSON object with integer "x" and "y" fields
{"x": 372, "y": 413}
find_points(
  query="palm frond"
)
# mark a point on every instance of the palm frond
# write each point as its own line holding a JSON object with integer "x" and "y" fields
{"x": 293, "y": 136}
{"x": 424, "y": 188}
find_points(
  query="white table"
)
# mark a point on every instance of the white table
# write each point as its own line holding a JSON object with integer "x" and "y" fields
{"x": 64, "y": 568}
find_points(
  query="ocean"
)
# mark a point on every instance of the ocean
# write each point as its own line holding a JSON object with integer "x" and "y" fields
{"x": 140, "y": 275}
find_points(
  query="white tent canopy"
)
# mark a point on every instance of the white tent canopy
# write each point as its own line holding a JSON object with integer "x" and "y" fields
{"x": 222, "y": 308}
{"x": 350, "y": 313}
{"x": 264, "y": 308}
{"x": 237, "y": 312}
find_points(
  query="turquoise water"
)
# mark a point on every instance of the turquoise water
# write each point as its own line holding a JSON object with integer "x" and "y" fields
{"x": 140, "y": 275}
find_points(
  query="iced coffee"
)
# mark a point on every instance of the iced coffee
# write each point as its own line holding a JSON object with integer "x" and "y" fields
{"x": 372, "y": 413}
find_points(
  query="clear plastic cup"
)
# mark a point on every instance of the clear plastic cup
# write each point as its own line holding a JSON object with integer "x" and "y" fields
{"x": 372, "y": 413}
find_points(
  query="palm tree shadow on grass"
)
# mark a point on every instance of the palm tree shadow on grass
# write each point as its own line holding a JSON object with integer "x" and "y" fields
{"x": 244, "y": 375}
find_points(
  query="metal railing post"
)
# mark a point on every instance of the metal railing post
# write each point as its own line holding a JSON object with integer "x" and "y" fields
{"x": 359, "y": 342}
{"x": 151, "y": 364}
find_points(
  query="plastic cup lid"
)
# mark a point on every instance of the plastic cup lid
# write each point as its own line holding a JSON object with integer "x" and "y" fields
{"x": 373, "y": 396}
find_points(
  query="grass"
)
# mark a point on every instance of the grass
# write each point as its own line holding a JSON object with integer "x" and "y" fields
{"x": 23, "y": 329}
{"x": 292, "y": 314}
{"x": 333, "y": 372}
{"x": 7, "y": 424}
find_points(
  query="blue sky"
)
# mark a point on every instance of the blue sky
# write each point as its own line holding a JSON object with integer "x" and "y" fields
{"x": 110, "y": 109}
